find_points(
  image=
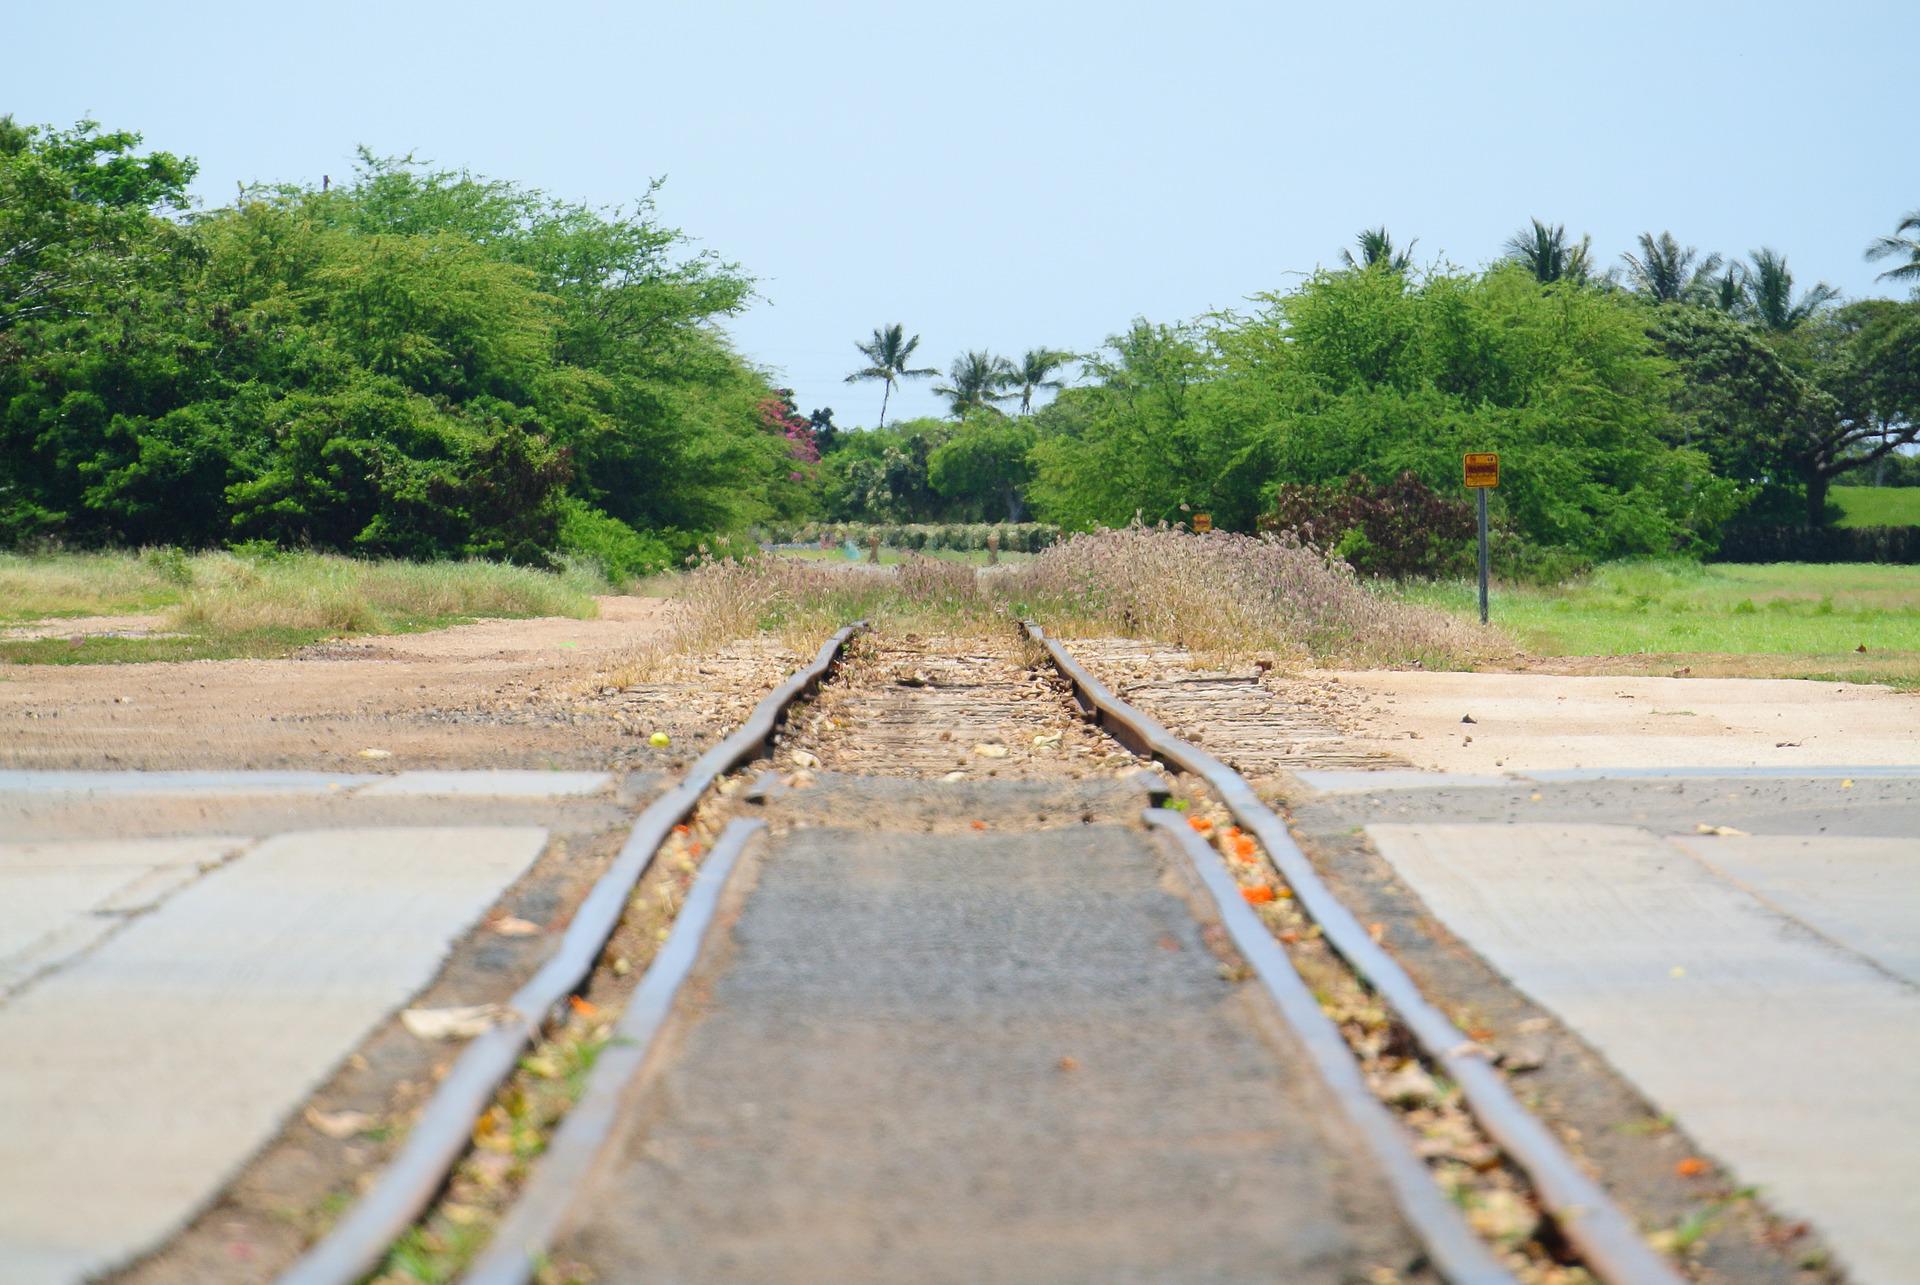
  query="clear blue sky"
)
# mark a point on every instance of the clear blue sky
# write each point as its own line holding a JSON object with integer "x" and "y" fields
{"x": 1009, "y": 176}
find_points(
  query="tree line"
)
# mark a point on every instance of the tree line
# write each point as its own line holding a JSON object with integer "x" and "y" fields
{"x": 417, "y": 361}
{"x": 1647, "y": 407}
{"x": 414, "y": 362}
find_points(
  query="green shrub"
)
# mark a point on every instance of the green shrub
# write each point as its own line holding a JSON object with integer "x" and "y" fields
{"x": 620, "y": 552}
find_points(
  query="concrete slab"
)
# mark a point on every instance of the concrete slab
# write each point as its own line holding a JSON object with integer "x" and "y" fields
{"x": 1863, "y": 894}
{"x": 1395, "y": 779}
{"x": 136, "y": 1080}
{"x": 1790, "y": 1059}
{"x": 122, "y": 783}
{"x": 1811, "y": 772}
{"x": 56, "y": 899}
{"x": 498, "y": 784}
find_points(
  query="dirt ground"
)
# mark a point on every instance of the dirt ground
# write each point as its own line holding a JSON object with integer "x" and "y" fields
{"x": 1540, "y": 722}
{"x": 493, "y": 693}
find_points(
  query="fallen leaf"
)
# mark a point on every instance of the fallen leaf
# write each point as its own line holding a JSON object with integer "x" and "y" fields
{"x": 1724, "y": 831}
{"x": 1377, "y": 931}
{"x": 339, "y": 1124}
{"x": 514, "y": 927}
{"x": 1200, "y": 824}
{"x": 1691, "y": 1167}
{"x": 800, "y": 758}
{"x": 1069, "y": 1064}
{"x": 1047, "y": 740}
{"x": 1468, "y": 718}
{"x": 1847, "y": 784}
{"x": 978, "y": 825}
{"x": 987, "y": 751}
{"x": 1259, "y": 894}
{"x": 376, "y": 754}
{"x": 458, "y": 1023}
{"x": 584, "y": 1007}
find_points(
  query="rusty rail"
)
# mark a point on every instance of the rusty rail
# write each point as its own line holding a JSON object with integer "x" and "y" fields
{"x": 1598, "y": 1229}
{"x": 444, "y": 1130}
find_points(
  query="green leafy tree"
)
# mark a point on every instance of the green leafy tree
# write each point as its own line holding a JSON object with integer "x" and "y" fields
{"x": 1550, "y": 256}
{"x": 889, "y": 353}
{"x": 1903, "y": 244}
{"x": 1770, "y": 294}
{"x": 977, "y": 379}
{"x": 1034, "y": 371}
{"x": 986, "y": 467}
{"x": 1377, "y": 250}
{"x": 1664, "y": 272}
{"x": 75, "y": 217}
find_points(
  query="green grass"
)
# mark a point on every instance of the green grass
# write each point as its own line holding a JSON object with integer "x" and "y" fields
{"x": 1877, "y": 505}
{"x": 1786, "y": 619}
{"x": 223, "y": 606}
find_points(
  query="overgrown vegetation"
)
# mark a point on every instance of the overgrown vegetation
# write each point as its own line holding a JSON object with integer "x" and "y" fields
{"x": 262, "y": 602}
{"x": 1217, "y": 594}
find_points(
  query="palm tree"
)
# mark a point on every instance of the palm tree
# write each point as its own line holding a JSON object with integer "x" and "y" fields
{"x": 1032, "y": 373}
{"x": 1774, "y": 306}
{"x": 1728, "y": 291}
{"x": 1549, "y": 256}
{"x": 1376, "y": 247}
{"x": 1897, "y": 246}
{"x": 977, "y": 379}
{"x": 889, "y": 353}
{"x": 1665, "y": 273}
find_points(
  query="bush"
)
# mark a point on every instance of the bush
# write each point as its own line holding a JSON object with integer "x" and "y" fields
{"x": 616, "y": 549}
{"x": 1899, "y": 545}
{"x": 1403, "y": 529}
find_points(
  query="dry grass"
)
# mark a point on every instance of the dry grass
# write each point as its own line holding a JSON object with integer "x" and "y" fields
{"x": 231, "y": 595}
{"x": 1215, "y": 594}
{"x": 1230, "y": 595}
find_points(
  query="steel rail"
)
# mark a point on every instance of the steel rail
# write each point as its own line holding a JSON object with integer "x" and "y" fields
{"x": 524, "y": 1237}
{"x": 444, "y": 1130}
{"x": 1605, "y": 1237}
{"x": 1454, "y": 1248}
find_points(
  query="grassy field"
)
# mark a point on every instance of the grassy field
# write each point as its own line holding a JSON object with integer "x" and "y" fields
{"x": 1789, "y": 620}
{"x": 217, "y": 605}
{"x": 1877, "y": 505}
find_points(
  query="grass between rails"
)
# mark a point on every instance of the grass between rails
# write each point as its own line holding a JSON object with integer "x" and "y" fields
{"x": 1217, "y": 594}
{"x": 1784, "y": 620}
{"x": 1877, "y": 505}
{"x": 218, "y": 605}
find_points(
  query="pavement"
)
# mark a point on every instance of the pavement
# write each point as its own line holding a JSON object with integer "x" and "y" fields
{"x": 186, "y": 956}
{"x": 1739, "y": 945}
{"x": 963, "y": 1056}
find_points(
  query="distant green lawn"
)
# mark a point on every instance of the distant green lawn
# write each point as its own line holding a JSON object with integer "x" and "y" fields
{"x": 1787, "y": 619}
{"x": 1877, "y": 505}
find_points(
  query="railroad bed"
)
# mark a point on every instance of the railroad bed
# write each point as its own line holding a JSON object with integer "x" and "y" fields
{"x": 950, "y": 1000}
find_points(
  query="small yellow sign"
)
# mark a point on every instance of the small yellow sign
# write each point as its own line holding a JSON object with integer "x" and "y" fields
{"x": 1482, "y": 469}
{"x": 1203, "y": 521}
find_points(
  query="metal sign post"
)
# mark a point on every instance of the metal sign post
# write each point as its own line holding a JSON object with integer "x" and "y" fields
{"x": 1481, "y": 472}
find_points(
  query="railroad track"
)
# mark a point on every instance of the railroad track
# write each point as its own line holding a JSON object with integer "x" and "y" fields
{"x": 945, "y": 1001}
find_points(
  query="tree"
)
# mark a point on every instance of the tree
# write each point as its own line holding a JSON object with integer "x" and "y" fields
{"x": 76, "y": 216}
{"x": 888, "y": 353}
{"x": 1865, "y": 357}
{"x": 1666, "y": 273}
{"x": 977, "y": 378}
{"x": 1770, "y": 290}
{"x": 1376, "y": 250}
{"x": 1033, "y": 372}
{"x": 1899, "y": 246}
{"x": 1549, "y": 256}
{"x": 985, "y": 466}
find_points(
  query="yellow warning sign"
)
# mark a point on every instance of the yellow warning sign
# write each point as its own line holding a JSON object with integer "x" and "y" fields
{"x": 1482, "y": 469}
{"x": 1203, "y": 521}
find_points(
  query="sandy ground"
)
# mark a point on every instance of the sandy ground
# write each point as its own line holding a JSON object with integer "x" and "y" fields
{"x": 1523, "y": 722}
{"x": 494, "y": 693}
